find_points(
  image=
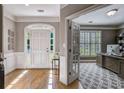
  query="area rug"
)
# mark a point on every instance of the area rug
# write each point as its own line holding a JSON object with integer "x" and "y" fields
{"x": 96, "y": 77}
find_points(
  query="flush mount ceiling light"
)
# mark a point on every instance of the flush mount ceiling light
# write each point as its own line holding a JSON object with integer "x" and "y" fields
{"x": 40, "y": 11}
{"x": 112, "y": 12}
{"x": 26, "y": 4}
{"x": 90, "y": 22}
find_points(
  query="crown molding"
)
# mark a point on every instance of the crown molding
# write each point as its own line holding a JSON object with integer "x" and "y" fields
{"x": 98, "y": 27}
{"x": 37, "y": 19}
{"x": 8, "y": 15}
{"x": 30, "y": 18}
{"x": 89, "y": 9}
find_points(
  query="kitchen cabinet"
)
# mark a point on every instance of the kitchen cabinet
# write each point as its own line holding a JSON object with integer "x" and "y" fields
{"x": 111, "y": 62}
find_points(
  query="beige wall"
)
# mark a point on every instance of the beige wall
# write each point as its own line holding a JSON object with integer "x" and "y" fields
{"x": 64, "y": 59}
{"x": 120, "y": 31}
{"x": 8, "y": 24}
{"x": 108, "y": 37}
{"x": 65, "y": 12}
{"x": 20, "y": 34}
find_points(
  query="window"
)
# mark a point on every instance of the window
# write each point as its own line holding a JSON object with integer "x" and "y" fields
{"x": 51, "y": 41}
{"x": 90, "y": 43}
{"x": 27, "y": 42}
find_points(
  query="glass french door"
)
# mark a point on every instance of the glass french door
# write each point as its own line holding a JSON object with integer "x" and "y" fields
{"x": 74, "y": 51}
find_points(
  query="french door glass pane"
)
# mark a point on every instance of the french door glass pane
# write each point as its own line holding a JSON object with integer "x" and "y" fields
{"x": 82, "y": 38}
{"x": 81, "y": 49}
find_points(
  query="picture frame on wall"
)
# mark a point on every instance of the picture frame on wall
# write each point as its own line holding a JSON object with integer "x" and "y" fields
{"x": 10, "y": 40}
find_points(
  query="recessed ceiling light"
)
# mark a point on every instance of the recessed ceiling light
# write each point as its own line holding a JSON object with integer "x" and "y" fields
{"x": 90, "y": 22}
{"x": 40, "y": 10}
{"x": 112, "y": 12}
{"x": 26, "y": 4}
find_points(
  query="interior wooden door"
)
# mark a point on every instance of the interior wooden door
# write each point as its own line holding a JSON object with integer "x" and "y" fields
{"x": 74, "y": 52}
{"x": 40, "y": 49}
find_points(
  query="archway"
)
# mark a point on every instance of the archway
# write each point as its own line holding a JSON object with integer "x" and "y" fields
{"x": 39, "y": 45}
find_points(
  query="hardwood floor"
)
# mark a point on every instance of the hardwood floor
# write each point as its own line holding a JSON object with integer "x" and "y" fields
{"x": 36, "y": 79}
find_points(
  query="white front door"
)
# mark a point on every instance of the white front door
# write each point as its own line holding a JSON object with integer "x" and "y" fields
{"x": 40, "y": 49}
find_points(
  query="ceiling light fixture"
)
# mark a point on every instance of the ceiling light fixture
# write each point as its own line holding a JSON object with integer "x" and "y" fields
{"x": 112, "y": 12}
{"x": 26, "y": 4}
{"x": 90, "y": 22}
{"x": 40, "y": 10}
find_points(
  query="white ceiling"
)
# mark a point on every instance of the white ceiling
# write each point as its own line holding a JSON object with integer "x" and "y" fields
{"x": 51, "y": 10}
{"x": 99, "y": 17}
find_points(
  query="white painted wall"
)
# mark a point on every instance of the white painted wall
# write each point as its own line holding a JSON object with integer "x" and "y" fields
{"x": 9, "y": 63}
{"x": 21, "y": 61}
{"x": 63, "y": 71}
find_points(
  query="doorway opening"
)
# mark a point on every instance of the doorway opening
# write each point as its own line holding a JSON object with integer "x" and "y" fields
{"x": 74, "y": 42}
{"x": 95, "y": 36}
{"x": 39, "y": 45}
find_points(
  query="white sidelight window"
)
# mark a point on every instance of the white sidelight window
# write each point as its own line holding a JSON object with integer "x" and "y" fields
{"x": 90, "y": 43}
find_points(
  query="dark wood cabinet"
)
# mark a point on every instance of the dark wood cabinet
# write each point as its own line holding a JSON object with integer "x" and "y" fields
{"x": 121, "y": 69}
{"x": 111, "y": 64}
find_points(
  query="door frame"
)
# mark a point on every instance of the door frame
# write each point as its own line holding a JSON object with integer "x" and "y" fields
{"x": 41, "y": 26}
{"x": 71, "y": 17}
{"x": 50, "y": 28}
